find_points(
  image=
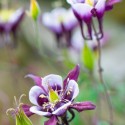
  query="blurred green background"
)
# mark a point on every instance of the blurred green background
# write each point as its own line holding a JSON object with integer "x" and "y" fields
{"x": 42, "y": 56}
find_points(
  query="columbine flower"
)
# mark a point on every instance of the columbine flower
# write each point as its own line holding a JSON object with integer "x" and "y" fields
{"x": 9, "y": 22}
{"x": 53, "y": 97}
{"x": 84, "y": 10}
{"x": 61, "y": 22}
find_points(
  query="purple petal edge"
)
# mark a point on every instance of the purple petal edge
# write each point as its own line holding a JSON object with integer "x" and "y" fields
{"x": 36, "y": 79}
{"x": 82, "y": 106}
{"x": 26, "y": 110}
{"x": 72, "y": 75}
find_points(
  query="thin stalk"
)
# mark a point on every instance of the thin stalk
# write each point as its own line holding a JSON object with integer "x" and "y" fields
{"x": 100, "y": 70}
{"x": 99, "y": 111}
{"x": 64, "y": 120}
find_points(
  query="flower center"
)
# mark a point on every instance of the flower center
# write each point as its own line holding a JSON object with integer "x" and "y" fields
{"x": 5, "y": 15}
{"x": 90, "y": 2}
{"x": 61, "y": 19}
{"x": 53, "y": 95}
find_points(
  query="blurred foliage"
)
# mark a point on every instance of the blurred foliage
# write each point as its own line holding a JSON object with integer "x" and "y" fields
{"x": 88, "y": 58}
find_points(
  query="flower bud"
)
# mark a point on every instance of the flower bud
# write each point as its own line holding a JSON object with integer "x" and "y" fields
{"x": 34, "y": 9}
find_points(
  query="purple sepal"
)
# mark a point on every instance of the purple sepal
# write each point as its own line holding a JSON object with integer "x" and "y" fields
{"x": 108, "y": 7}
{"x": 26, "y": 110}
{"x": 110, "y": 3}
{"x": 72, "y": 75}
{"x": 82, "y": 106}
{"x": 36, "y": 79}
{"x": 51, "y": 121}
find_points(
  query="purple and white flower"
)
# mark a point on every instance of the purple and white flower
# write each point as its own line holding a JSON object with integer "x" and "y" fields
{"x": 61, "y": 21}
{"x": 13, "y": 21}
{"x": 11, "y": 24}
{"x": 53, "y": 97}
{"x": 85, "y": 10}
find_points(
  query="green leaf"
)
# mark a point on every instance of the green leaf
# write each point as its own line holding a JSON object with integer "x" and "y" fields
{"x": 88, "y": 57}
{"x": 22, "y": 119}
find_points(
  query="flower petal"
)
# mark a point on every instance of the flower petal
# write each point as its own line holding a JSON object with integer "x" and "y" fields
{"x": 75, "y": 1}
{"x": 72, "y": 90}
{"x": 54, "y": 81}
{"x": 16, "y": 18}
{"x": 26, "y": 109}
{"x": 61, "y": 110}
{"x": 69, "y": 20}
{"x": 34, "y": 94}
{"x": 81, "y": 106}
{"x": 100, "y": 7}
{"x": 36, "y": 79}
{"x": 111, "y": 2}
{"x": 51, "y": 22}
{"x": 37, "y": 110}
{"x": 51, "y": 121}
{"x": 72, "y": 75}
{"x": 82, "y": 11}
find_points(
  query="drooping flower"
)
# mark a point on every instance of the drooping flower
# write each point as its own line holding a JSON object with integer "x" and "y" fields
{"x": 61, "y": 22}
{"x": 85, "y": 10}
{"x": 10, "y": 21}
{"x": 53, "y": 97}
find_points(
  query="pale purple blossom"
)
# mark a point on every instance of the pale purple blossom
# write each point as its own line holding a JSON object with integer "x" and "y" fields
{"x": 85, "y": 10}
{"x": 11, "y": 25}
{"x": 62, "y": 22}
{"x": 53, "y": 97}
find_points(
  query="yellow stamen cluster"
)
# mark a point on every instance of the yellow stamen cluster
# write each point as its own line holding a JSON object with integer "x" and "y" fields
{"x": 69, "y": 91}
{"x": 90, "y": 2}
{"x": 42, "y": 96}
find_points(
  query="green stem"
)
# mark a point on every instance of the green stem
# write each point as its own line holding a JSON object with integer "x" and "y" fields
{"x": 100, "y": 70}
